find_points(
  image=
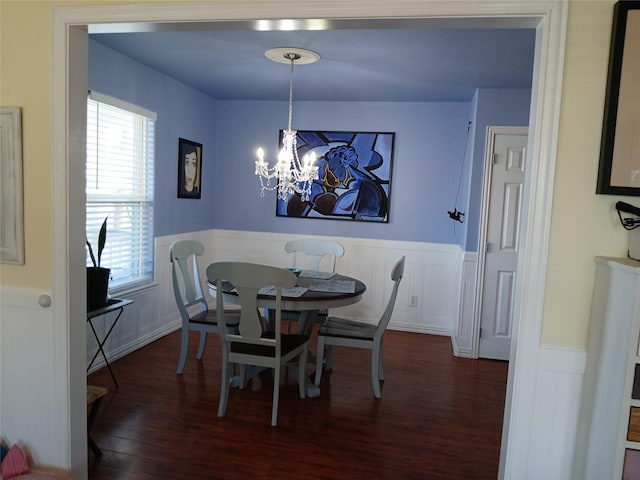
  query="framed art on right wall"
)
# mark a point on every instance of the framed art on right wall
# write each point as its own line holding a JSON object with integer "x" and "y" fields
{"x": 619, "y": 170}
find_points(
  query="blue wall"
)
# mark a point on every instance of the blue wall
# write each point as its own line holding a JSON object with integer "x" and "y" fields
{"x": 505, "y": 107}
{"x": 429, "y": 146}
{"x": 182, "y": 113}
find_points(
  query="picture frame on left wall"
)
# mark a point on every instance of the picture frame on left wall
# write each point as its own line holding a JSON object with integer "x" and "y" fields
{"x": 11, "y": 187}
{"x": 189, "y": 168}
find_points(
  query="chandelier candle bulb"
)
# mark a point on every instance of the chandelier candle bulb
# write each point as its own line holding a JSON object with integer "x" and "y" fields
{"x": 310, "y": 160}
{"x": 260, "y": 163}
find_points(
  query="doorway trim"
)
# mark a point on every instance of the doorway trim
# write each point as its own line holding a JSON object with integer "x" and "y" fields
{"x": 549, "y": 17}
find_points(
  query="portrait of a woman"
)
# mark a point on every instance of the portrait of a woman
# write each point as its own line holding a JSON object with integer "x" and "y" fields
{"x": 189, "y": 168}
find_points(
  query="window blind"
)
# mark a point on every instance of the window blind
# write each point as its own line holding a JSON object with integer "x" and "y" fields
{"x": 119, "y": 186}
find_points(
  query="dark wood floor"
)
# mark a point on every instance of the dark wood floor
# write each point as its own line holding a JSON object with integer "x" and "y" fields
{"x": 440, "y": 417}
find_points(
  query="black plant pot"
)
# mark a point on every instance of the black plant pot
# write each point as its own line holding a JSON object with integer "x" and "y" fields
{"x": 97, "y": 287}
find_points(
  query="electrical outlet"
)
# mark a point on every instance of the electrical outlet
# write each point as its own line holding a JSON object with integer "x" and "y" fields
{"x": 413, "y": 301}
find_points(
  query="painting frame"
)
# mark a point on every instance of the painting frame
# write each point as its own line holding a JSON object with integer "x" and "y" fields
{"x": 618, "y": 171}
{"x": 354, "y": 176}
{"x": 189, "y": 169}
{"x": 11, "y": 187}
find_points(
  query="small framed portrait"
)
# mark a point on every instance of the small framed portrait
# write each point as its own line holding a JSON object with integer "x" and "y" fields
{"x": 189, "y": 168}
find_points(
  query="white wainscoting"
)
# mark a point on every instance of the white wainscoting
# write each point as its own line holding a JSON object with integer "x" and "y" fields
{"x": 27, "y": 345}
{"x": 554, "y": 420}
{"x": 141, "y": 323}
{"x": 432, "y": 274}
{"x": 432, "y": 279}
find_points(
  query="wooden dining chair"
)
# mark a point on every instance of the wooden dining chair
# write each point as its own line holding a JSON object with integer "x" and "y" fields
{"x": 254, "y": 344}
{"x": 308, "y": 253}
{"x": 351, "y": 333}
{"x": 311, "y": 254}
{"x": 191, "y": 303}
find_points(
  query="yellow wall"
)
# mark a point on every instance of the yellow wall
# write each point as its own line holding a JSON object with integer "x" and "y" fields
{"x": 25, "y": 81}
{"x": 583, "y": 224}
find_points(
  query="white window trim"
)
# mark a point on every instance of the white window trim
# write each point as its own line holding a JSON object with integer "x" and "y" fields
{"x": 116, "y": 102}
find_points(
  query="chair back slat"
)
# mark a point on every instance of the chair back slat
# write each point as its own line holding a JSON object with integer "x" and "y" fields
{"x": 248, "y": 279}
{"x": 251, "y": 325}
{"x": 187, "y": 287}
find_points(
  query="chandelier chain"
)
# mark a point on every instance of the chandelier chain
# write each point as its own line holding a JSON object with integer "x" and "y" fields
{"x": 293, "y": 57}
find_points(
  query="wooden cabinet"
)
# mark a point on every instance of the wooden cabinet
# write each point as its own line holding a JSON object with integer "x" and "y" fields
{"x": 608, "y": 440}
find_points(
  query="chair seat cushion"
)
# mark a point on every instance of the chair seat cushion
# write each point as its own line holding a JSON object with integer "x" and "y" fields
{"x": 342, "y": 327}
{"x": 288, "y": 342}
{"x": 208, "y": 317}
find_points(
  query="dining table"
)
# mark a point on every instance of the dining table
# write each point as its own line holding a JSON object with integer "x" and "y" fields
{"x": 314, "y": 292}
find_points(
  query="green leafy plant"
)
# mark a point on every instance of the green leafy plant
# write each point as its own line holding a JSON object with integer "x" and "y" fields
{"x": 102, "y": 239}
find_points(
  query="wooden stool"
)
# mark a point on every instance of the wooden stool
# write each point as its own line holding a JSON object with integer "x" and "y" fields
{"x": 94, "y": 397}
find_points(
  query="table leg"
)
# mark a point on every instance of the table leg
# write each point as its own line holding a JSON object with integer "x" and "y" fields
{"x": 307, "y": 320}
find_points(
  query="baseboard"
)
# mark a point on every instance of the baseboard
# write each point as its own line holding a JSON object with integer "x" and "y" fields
{"x": 460, "y": 351}
{"x": 413, "y": 328}
{"x": 125, "y": 350}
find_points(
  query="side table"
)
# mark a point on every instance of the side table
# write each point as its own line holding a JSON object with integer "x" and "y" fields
{"x": 113, "y": 305}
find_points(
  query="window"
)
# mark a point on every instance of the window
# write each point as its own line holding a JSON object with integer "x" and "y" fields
{"x": 120, "y": 171}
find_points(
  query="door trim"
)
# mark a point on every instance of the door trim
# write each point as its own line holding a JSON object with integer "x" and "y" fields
{"x": 550, "y": 20}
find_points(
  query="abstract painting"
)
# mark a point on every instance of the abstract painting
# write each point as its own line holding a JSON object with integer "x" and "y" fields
{"x": 354, "y": 176}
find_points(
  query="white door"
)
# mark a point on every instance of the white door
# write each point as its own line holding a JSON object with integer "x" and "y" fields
{"x": 505, "y": 161}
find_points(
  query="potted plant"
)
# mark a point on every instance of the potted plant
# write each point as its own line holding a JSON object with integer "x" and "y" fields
{"x": 97, "y": 277}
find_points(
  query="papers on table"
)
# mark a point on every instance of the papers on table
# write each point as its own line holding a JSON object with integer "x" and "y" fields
{"x": 334, "y": 286}
{"x": 294, "y": 292}
{"x": 316, "y": 274}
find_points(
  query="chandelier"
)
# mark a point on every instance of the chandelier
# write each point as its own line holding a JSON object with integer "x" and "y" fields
{"x": 292, "y": 174}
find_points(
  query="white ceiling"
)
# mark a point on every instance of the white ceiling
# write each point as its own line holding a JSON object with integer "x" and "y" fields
{"x": 359, "y": 61}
